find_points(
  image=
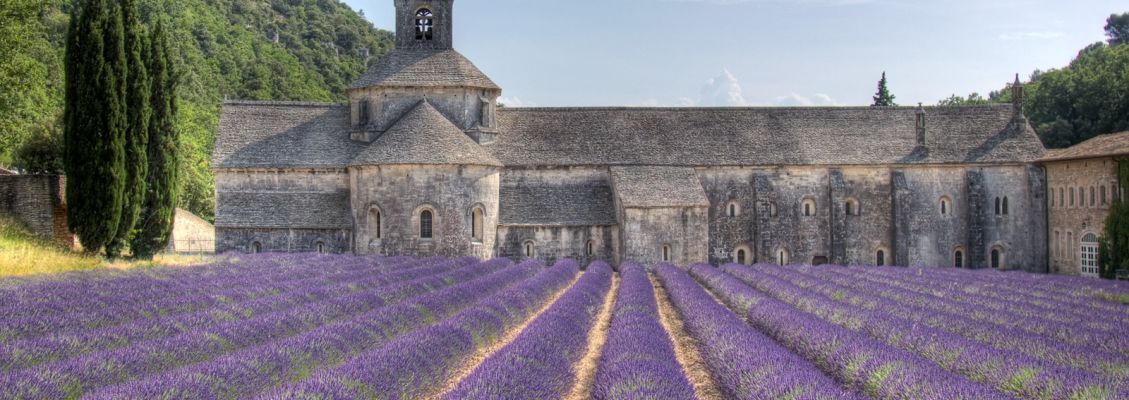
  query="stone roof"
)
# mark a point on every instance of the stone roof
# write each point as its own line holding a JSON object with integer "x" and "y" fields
{"x": 1111, "y": 145}
{"x": 283, "y": 135}
{"x": 283, "y": 210}
{"x": 424, "y": 68}
{"x": 564, "y": 204}
{"x": 652, "y": 187}
{"x": 760, "y": 136}
{"x": 424, "y": 136}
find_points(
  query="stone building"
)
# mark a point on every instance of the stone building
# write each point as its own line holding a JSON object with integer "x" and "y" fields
{"x": 191, "y": 234}
{"x": 1082, "y": 183}
{"x": 38, "y": 201}
{"x": 421, "y": 161}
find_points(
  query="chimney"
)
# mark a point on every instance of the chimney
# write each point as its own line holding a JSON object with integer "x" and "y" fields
{"x": 1017, "y": 99}
{"x": 920, "y": 125}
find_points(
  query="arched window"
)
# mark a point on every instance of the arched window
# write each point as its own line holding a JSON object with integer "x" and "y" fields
{"x": 1061, "y": 198}
{"x": 1005, "y": 206}
{"x": 1072, "y": 197}
{"x": 782, "y": 257}
{"x": 476, "y": 225}
{"x": 1056, "y": 246}
{"x": 1069, "y": 246}
{"x": 425, "y": 24}
{"x": 946, "y": 205}
{"x": 425, "y": 220}
{"x": 998, "y": 208}
{"x": 996, "y": 259}
{"x": 733, "y": 209}
{"x": 852, "y": 207}
{"x": 374, "y": 223}
{"x": 772, "y": 209}
{"x": 1093, "y": 197}
{"x": 741, "y": 257}
{"x": 256, "y": 248}
{"x": 808, "y": 208}
{"x": 880, "y": 258}
{"x": 590, "y": 248}
{"x": 320, "y": 246}
{"x": 530, "y": 249}
{"x": 666, "y": 252}
{"x": 1089, "y": 251}
{"x": 958, "y": 258}
{"x": 1052, "y": 198}
{"x": 1105, "y": 198}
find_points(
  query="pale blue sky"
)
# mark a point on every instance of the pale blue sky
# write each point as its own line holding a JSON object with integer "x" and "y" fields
{"x": 761, "y": 52}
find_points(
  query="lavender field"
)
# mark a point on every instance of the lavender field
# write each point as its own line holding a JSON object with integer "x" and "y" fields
{"x": 342, "y": 327}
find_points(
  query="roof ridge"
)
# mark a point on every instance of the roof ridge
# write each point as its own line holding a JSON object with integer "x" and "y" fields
{"x": 280, "y": 103}
{"x": 747, "y": 108}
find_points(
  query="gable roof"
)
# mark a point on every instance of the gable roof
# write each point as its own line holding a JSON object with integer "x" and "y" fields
{"x": 1111, "y": 145}
{"x": 760, "y": 136}
{"x": 558, "y": 204}
{"x": 283, "y": 135}
{"x": 651, "y": 187}
{"x": 424, "y": 68}
{"x": 424, "y": 136}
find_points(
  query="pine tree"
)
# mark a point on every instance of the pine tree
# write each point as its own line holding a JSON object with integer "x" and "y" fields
{"x": 137, "y": 132}
{"x": 883, "y": 98}
{"x": 94, "y": 120}
{"x": 154, "y": 226}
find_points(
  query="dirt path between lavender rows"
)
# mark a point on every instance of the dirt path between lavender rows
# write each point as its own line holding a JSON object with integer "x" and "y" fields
{"x": 482, "y": 354}
{"x": 587, "y": 366}
{"x": 685, "y": 347}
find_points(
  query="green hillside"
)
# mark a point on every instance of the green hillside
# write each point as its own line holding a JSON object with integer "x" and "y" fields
{"x": 238, "y": 49}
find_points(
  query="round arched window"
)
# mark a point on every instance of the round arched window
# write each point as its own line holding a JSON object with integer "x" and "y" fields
{"x": 425, "y": 24}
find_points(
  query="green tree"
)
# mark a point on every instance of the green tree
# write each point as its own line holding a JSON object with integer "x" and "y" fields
{"x": 1085, "y": 99}
{"x": 137, "y": 132}
{"x": 28, "y": 71}
{"x": 95, "y": 123}
{"x": 973, "y": 99}
{"x": 154, "y": 227}
{"x": 1113, "y": 251}
{"x": 42, "y": 152}
{"x": 883, "y": 98}
{"x": 1117, "y": 29}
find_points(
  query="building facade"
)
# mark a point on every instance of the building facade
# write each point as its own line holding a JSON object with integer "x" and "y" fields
{"x": 422, "y": 161}
{"x": 1083, "y": 182}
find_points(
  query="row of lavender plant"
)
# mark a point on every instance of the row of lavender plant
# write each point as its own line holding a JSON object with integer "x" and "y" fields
{"x": 1018, "y": 292}
{"x": 1080, "y": 344}
{"x": 1024, "y": 376}
{"x": 538, "y": 363}
{"x": 54, "y": 347}
{"x": 638, "y": 360}
{"x": 256, "y": 369}
{"x": 81, "y": 314}
{"x": 863, "y": 364}
{"x": 413, "y": 366}
{"x": 745, "y": 363}
{"x": 102, "y": 368}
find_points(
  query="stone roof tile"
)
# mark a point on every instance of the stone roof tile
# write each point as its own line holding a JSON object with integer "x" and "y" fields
{"x": 283, "y": 135}
{"x": 564, "y": 204}
{"x": 424, "y": 68}
{"x": 1111, "y": 145}
{"x": 283, "y": 210}
{"x": 424, "y": 136}
{"x": 652, "y": 187}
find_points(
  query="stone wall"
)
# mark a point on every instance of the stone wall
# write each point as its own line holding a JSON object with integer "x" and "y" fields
{"x": 283, "y": 240}
{"x": 239, "y": 226}
{"x": 191, "y": 234}
{"x": 402, "y": 192}
{"x": 552, "y": 243}
{"x": 38, "y": 201}
{"x": 1072, "y": 219}
{"x": 467, "y": 109}
{"x": 645, "y": 231}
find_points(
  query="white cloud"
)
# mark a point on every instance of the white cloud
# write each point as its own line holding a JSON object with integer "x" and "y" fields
{"x": 724, "y": 90}
{"x": 516, "y": 102}
{"x": 1032, "y": 35}
{"x": 796, "y": 100}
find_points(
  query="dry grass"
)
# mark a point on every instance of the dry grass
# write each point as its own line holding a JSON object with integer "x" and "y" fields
{"x": 586, "y": 367}
{"x": 24, "y": 254}
{"x": 485, "y": 352}
{"x": 686, "y": 348}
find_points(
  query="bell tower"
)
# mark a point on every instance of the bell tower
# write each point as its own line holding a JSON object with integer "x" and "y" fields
{"x": 424, "y": 24}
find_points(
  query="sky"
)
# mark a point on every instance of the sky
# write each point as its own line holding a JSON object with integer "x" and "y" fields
{"x": 761, "y": 52}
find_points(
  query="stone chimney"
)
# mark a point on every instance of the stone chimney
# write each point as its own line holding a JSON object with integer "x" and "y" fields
{"x": 920, "y": 126}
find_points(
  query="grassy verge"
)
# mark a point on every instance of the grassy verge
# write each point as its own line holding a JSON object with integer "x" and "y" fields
{"x": 24, "y": 254}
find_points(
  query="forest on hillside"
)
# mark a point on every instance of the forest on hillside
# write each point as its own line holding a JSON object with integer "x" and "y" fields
{"x": 236, "y": 49}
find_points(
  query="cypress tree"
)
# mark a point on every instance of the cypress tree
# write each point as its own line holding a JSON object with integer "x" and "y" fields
{"x": 137, "y": 132}
{"x": 883, "y": 98}
{"x": 154, "y": 226}
{"x": 94, "y": 157}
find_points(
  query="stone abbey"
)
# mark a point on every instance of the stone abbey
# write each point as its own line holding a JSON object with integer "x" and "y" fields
{"x": 422, "y": 161}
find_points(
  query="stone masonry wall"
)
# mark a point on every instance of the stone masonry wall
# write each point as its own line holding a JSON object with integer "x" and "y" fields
{"x": 552, "y": 243}
{"x": 38, "y": 201}
{"x": 684, "y": 229}
{"x": 1072, "y": 219}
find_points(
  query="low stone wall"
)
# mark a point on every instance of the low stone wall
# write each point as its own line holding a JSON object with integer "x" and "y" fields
{"x": 38, "y": 201}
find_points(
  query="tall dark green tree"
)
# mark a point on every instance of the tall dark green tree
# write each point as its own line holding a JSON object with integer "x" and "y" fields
{"x": 154, "y": 226}
{"x": 883, "y": 98}
{"x": 94, "y": 123}
{"x": 1113, "y": 251}
{"x": 137, "y": 132}
{"x": 1117, "y": 29}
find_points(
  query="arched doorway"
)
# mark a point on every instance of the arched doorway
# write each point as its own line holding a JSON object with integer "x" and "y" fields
{"x": 1089, "y": 251}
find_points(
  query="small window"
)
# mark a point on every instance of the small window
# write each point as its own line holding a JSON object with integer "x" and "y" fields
{"x": 1055, "y": 247}
{"x": 1052, "y": 198}
{"x": 476, "y": 225}
{"x": 808, "y": 208}
{"x": 321, "y": 248}
{"x": 880, "y": 258}
{"x": 666, "y": 253}
{"x": 958, "y": 259}
{"x": 1061, "y": 198}
{"x": 1093, "y": 197}
{"x": 946, "y": 206}
{"x": 782, "y": 257}
{"x": 996, "y": 262}
{"x": 1105, "y": 198}
{"x": 1005, "y": 206}
{"x": 1072, "y": 197}
{"x": 590, "y": 248}
{"x": 852, "y": 207}
{"x": 998, "y": 208}
{"x": 733, "y": 209}
{"x": 425, "y": 220}
{"x": 425, "y": 24}
{"x": 530, "y": 249}
{"x": 374, "y": 222}
{"x": 256, "y": 248}
{"x": 1069, "y": 246}
{"x": 741, "y": 256}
